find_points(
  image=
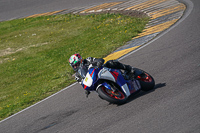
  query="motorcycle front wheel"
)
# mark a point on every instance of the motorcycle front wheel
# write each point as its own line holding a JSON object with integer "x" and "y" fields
{"x": 117, "y": 97}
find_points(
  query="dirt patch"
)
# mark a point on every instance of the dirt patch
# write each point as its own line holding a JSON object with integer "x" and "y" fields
{"x": 9, "y": 51}
{"x": 6, "y": 51}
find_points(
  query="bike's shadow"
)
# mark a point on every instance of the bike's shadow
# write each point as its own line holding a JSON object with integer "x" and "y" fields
{"x": 142, "y": 93}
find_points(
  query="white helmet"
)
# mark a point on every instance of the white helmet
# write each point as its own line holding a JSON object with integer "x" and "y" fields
{"x": 75, "y": 60}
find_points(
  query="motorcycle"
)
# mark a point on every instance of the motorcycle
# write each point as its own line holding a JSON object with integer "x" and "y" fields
{"x": 114, "y": 85}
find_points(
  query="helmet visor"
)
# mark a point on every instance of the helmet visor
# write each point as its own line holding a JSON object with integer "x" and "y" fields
{"x": 75, "y": 65}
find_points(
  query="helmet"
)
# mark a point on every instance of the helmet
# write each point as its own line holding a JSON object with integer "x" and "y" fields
{"x": 75, "y": 61}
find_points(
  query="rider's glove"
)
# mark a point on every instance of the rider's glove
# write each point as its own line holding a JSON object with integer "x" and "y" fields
{"x": 90, "y": 59}
{"x": 87, "y": 93}
{"x": 77, "y": 77}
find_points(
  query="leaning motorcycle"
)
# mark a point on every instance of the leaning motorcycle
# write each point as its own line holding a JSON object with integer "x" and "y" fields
{"x": 114, "y": 85}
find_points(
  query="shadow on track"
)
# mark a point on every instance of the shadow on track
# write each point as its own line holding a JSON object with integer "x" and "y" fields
{"x": 142, "y": 93}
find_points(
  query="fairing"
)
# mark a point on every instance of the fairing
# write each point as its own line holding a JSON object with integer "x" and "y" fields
{"x": 112, "y": 75}
{"x": 90, "y": 81}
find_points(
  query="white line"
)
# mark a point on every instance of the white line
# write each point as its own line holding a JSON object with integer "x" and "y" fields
{"x": 38, "y": 102}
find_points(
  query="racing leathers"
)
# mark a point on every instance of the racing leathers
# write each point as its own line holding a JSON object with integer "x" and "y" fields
{"x": 98, "y": 62}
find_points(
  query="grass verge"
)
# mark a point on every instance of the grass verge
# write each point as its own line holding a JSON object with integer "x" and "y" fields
{"x": 34, "y": 52}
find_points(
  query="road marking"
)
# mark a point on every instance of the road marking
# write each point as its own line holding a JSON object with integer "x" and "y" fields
{"x": 45, "y": 14}
{"x": 102, "y": 6}
{"x": 156, "y": 28}
{"x": 145, "y": 4}
{"x": 167, "y": 11}
{"x": 119, "y": 54}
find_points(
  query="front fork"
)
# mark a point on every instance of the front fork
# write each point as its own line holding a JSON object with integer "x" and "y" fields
{"x": 107, "y": 86}
{"x": 125, "y": 88}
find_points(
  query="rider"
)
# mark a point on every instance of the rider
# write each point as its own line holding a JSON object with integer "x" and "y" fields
{"x": 76, "y": 60}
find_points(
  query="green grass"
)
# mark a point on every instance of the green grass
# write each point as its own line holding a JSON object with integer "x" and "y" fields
{"x": 34, "y": 52}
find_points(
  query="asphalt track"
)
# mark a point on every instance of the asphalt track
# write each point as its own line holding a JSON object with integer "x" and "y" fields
{"x": 173, "y": 58}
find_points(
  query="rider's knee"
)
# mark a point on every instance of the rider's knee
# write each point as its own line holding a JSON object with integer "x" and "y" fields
{"x": 109, "y": 63}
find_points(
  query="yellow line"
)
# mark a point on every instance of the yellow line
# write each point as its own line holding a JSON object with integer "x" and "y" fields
{"x": 102, "y": 6}
{"x": 157, "y": 28}
{"x": 119, "y": 54}
{"x": 167, "y": 11}
{"x": 99, "y": 7}
{"x": 93, "y": 8}
{"x": 112, "y": 4}
{"x": 45, "y": 14}
{"x": 145, "y": 4}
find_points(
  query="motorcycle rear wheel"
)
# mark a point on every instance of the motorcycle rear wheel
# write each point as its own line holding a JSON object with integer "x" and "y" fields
{"x": 117, "y": 97}
{"x": 146, "y": 80}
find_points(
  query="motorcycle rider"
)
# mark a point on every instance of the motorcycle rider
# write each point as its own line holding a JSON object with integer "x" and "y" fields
{"x": 76, "y": 60}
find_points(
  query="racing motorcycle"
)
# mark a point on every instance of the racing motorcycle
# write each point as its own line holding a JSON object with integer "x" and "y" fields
{"x": 114, "y": 85}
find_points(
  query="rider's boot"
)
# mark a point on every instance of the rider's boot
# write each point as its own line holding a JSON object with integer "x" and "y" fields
{"x": 117, "y": 65}
{"x": 129, "y": 69}
{"x": 129, "y": 72}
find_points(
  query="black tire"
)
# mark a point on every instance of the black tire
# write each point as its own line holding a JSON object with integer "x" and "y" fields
{"x": 146, "y": 80}
{"x": 118, "y": 96}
